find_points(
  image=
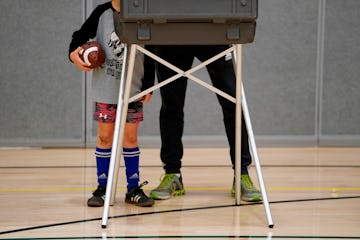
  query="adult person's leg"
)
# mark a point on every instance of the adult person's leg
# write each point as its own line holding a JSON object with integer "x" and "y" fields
{"x": 172, "y": 119}
{"x": 223, "y": 77}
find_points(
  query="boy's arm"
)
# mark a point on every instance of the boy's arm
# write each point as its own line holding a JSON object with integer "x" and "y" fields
{"x": 88, "y": 29}
{"x": 75, "y": 58}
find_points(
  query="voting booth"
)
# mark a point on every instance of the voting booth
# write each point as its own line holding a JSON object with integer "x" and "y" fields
{"x": 185, "y": 22}
{"x": 203, "y": 22}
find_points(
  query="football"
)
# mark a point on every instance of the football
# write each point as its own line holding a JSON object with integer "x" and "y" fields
{"x": 92, "y": 53}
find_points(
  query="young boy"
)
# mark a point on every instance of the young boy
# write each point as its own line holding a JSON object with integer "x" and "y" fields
{"x": 105, "y": 85}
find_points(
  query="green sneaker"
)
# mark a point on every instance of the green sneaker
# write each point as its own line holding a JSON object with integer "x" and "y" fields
{"x": 248, "y": 191}
{"x": 171, "y": 185}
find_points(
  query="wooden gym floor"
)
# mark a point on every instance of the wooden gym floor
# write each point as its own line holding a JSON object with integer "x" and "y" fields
{"x": 314, "y": 193}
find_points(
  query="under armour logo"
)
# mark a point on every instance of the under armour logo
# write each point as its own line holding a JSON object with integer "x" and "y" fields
{"x": 103, "y": 116}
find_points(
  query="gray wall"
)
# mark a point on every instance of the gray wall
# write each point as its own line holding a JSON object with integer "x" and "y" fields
{"x": 300, "y": 78}
{"x": 42, "y": 95}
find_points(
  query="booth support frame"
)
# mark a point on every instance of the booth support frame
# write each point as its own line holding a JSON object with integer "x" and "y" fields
{"x": 124, "y": 99}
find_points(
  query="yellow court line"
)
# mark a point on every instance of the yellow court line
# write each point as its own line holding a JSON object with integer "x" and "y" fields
{"x": 291, "y": 189}
{"x": 286, "y": 189}
{"x": 47, "y": 190}
{"x": 314, "y": 189}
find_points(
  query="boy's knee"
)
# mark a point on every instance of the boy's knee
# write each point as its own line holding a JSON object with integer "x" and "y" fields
{"x": 130, "y": 139}
{"x": 105, "y": 139}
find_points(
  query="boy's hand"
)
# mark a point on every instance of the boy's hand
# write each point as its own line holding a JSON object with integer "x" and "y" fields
{"x": 74, "y": 56}
{"x": 146, "y": 98}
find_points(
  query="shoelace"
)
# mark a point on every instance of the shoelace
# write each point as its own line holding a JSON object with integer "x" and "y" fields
{"x": 165, "y": 180}
{"x": 138, "y": 188}
{"x": 99, "y": 192}
{"x": 247, "y": 182}
{"x": 143, "y": 184}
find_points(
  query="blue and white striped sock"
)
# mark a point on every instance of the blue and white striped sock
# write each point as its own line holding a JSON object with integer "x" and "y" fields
{"x": 102, "y": 164}
{"x": 131, "y": 159}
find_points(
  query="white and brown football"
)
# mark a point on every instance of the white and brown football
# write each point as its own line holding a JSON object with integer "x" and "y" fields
{"x": 92, "y": 53}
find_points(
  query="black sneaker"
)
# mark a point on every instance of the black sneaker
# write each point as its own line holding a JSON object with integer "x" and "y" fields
{"x": 97, "y": 200}
{"x": 137, "y": 197}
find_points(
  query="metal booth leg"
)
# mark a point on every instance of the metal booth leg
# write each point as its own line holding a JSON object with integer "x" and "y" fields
{"x": 256, "y": 159}
{"x": 121, "y": 112}
{"x": 238, "y": 74}
{"x": 240, "y": 93}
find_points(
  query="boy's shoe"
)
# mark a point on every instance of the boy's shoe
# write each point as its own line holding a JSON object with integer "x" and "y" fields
{"x": 97, "y": 200}
{"x": 171, "y": 185}
{"x": 248, "y": 191}
{"x": 137, "y": 197}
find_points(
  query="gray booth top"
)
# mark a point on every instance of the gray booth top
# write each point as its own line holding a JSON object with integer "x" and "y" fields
{"x": 186, "y": 22}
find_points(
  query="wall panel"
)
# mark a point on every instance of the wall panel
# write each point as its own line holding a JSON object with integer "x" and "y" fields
{"x": 41, "y": 92}
{"x": 340, "y": 115}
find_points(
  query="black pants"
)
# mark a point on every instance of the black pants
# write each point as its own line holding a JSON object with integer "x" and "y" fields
{"x": 173, "y": 97}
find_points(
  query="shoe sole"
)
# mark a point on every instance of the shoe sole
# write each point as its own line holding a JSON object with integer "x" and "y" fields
{"x": 157, "y": 197}
{"x": 146, "y": 204}
{"x": 95, "y": 204}
{"x": 253, "y": 199}
{"x": 175, "y": 193}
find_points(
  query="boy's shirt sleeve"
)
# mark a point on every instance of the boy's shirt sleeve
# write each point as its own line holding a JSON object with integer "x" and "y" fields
{"x": 89, "y": 28}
